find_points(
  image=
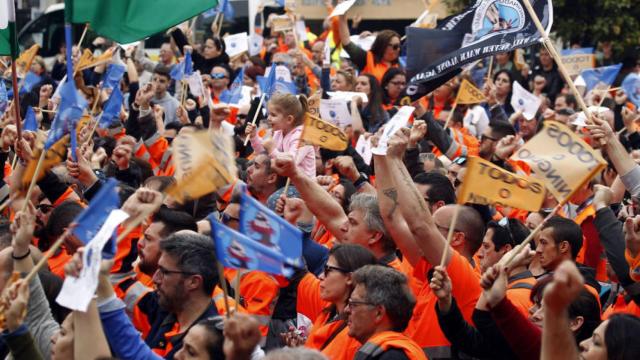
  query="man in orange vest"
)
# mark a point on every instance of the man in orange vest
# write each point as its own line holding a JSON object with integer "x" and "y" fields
{"x": 379, "y": 310}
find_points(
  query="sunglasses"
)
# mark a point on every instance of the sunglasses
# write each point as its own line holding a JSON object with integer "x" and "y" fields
{"x": 328, "y": 269}
{"x": 218, "y": 76}
{"x": 394, "y": 46}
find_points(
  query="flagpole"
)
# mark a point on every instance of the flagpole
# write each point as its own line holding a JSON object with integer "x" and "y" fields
{"x": 558, "y": 60}
{"x": 84, "y": 32}
{"x": 16, "y": 97}
{"x": 33, "y": 179}
{"x": 452, "y": 227}
{"x": 236, "y": 292}
{"x": 219, "y": 28}
{"x": 255, "y": 116}
{"x": 446, "y": 123}
{"x": 490, "y": 70}
{"x": 223, "y": 286}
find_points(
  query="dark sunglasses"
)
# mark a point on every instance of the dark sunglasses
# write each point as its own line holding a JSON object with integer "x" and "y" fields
{"x": 328, "y": 269}
{"x": 394, "y": 46}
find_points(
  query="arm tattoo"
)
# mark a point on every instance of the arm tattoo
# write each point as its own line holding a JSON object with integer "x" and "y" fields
{"x": 392, "y": 194}
{"x": 411, "y": 186}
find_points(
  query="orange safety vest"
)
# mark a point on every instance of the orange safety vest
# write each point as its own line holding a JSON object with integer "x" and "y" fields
{"x": 467, "y": 145}
{"x": 601, "y": 267}
{"x": 332, "y": 338}
{"x": 519, "y": 291}
{"x": 381, "y": 342}
{"x": 376, "y": 69}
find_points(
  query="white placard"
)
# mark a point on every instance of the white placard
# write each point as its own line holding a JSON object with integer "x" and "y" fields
{"x": 342, "y": 8}
{"x": 348, "y": 95}
{"x": 581, "y": 119}
{"x": 363, "y": 147}
{"x": 301, "y": 30}
{"x": 398, "y": 121}
{"x": 255, "y": 44}
{"x": 76, "y": 293}
{"x": 363, "y": 42}
{"x": 524, "y": 101}
{"x": 236, "y": 44}
{"x": 335, "y": 111}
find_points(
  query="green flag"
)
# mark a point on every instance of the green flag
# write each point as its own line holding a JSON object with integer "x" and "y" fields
{"x": 126, "y": 21}
{"x": 8, "y": 43}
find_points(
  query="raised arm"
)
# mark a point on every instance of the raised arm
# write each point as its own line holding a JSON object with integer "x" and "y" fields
{"x": 413, "y": 207}
{"x": 393, "y": 220}
{"x": 321, "y": 204}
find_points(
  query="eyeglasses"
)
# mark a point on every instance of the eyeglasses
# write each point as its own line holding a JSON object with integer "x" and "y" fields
{"x": 226, "y": 218}
{"x": 484, "y": 137}
{"x": 328, "y": 269}
{"x": 44, "y": 208}
{"x": 162, "y": 272}
{"x": 353, "y": 303}
{"x": 394, "y": 46}
{"x": 218, "y": 76}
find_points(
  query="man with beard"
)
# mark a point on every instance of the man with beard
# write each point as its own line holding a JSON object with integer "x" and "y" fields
{"x": 263, "y": 181}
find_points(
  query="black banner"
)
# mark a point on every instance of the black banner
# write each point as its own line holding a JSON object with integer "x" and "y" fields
{"x": 486, "y": 28}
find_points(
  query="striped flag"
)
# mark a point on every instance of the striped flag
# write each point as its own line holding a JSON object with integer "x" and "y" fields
{"x": 8, "y": 42}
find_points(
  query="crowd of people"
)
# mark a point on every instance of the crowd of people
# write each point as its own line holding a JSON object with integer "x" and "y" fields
{"x": 379, "y": 279}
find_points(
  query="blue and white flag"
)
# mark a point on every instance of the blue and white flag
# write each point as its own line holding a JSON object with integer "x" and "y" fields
{"x": 267, "y": 228}
{"x": 72, "y": 105}
{"x": 91, "y": 219}
{"x": 183, "y": 68}
{"x": 234, "y": 94}
{"x": 600, "y": 77}
{"x": 631, "y": 87}
{"x": 237, "y": 251}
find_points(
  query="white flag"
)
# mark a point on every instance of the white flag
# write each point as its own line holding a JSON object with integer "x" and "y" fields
{"x": 524, "y": 101}
{"x": 76, "y": 293}
{"x": 236, "y": 44}
{"x": 335, "y": 111}
{"x": 398, "y": 121}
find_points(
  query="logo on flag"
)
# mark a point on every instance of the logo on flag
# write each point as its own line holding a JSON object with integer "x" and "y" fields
{"x": 265, "y": 227}
{"x": 493, "y": 18}
{"x": 601, "y": 77}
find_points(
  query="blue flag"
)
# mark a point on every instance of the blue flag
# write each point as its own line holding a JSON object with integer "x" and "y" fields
{"x": 267, "y": 228}
{"x": 30, "y": 81}
{"x": 184, "y": 67}
{"x": 69, "y": 46}
{"x": 111, "y": 109}
{"x": 603, "y": 75}
{"x": 210, "y": 13}
{"x": 30, "y": 123}
{"x": 72, "y": 105}
{"x": 4, "y": 99}
{"x": 227, "y": 10}
{"x": 631, "y": 87}
{"x": 234, "y": 94}
{"x": 93, "y": 217}
{"x": 237, "y": 251}
{"x": 271, "y": 85}
{"x": 112, "y": 77}
{"x": 74, "y": 143}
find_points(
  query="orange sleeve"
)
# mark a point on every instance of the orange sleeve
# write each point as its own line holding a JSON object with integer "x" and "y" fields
{"x": 260, "y": 292}
{"x": 466, "y": 283}
{"x": 308, "y": 301}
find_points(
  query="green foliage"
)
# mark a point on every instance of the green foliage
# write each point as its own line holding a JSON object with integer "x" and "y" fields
{"x": 588, "y": 22}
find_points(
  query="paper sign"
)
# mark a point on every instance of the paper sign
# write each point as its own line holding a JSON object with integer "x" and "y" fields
{"x": 398, "y": 121}
{"x": 195, "y": 84}
{"x": 524, "y": 101}
{"x": 281, "y": 23}
{"x": 342, "y": 8}
{"x": 255, "y": 44}
{"x": 363, "y": 147}
{"x": 348, "y": 95}
{"x": 282, "y": 73}
{"x": 363, "y": 42}
{"x": 236, "y": 44}
{"x": 581, "y": 120}
{"x": 576, "y": 60}
{"x": 335, "y": 111}
{"x": 326, "y": 58}
{"x": 76, "y": 293}
{"x": 301, "y": 30}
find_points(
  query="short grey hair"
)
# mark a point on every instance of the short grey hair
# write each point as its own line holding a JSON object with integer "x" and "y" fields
{"x": 368, "y": 205}
{"x": 387, "y": 287}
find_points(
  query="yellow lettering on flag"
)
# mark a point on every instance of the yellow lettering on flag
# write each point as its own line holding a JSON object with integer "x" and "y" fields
{"x": 561, "y": 159}
{"x": 487, "y": 184}
{"x": 24, "y": 61}
{"x": 55, "y": 155}
{"x": 323, "y": 134}
{"x": 204, "y": 162}
{"x": 469, "y": 94}
{"x": 88, "y": 61}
